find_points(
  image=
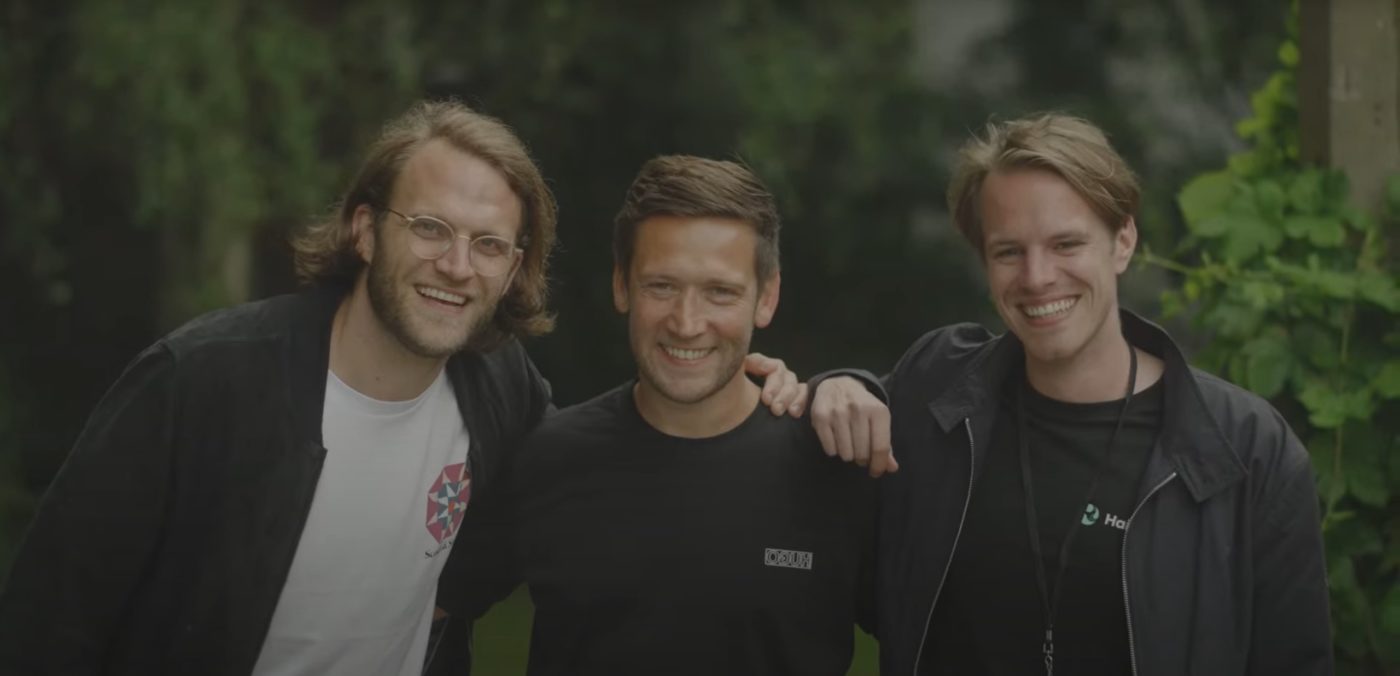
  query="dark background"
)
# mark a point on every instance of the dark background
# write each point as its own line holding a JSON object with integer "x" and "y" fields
{"x": 155, "y": 155}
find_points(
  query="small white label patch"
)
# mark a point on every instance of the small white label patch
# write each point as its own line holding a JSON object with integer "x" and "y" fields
{"x": 787, "y": 558}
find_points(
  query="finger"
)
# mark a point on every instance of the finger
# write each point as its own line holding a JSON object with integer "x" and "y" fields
{"x": 800, "y": 403}
{"x": 860, "y": 436}
{"x": 785, "y": 394}
{"x": 759, "y": 364}
{"x": 881, "y": 458}
{"x": 841, "y": 429}
{"x": 825, "y": 435}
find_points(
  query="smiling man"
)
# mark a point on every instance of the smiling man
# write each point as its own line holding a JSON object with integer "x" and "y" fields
{"x": 674, "y": 525}
{"x": 1072, "y": 497}
{"x": 302, "y": 485}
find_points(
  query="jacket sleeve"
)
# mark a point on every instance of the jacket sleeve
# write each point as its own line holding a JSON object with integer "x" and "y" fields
{"x": 1291, "y": 631}
{"x": 94, "y": 531}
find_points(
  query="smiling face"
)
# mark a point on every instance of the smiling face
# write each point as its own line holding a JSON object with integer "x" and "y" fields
{"x": 433, "y": 307}
{"x": 692, "y": 300}
{"x": 1052, "y": 265}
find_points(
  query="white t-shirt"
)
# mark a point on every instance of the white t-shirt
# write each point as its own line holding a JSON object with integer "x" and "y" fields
{"x": 360, "y": 595}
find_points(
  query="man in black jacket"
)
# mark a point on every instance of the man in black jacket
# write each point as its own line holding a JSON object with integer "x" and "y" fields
{"x": 1073, "y": 497}
{"x": 311, "y": 484}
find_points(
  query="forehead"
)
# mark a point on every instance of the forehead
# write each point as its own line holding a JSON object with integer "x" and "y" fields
{"x": 684, "y": 246}
{"x": 444, "y": 181}
{"x": 1022, "y": 204}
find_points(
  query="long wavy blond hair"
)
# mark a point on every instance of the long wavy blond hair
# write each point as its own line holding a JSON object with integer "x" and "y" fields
{"x": 324, "y": 251}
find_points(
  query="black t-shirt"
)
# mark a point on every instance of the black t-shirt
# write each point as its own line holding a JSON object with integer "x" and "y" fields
{"x": 744, "y": 553}
{"x": 988, "y": 618}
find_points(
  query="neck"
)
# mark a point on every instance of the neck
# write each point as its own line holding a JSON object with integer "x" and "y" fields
{"x": 368, "y": 358}
{"x": 714, "y": 415}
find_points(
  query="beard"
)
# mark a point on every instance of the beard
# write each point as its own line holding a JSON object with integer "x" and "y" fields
{"x": 390, "y": 301}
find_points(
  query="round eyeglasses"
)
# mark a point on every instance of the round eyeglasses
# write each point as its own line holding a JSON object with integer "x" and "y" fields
{"x": 489, "y": 255}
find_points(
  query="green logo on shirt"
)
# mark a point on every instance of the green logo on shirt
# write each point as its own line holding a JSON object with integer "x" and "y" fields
{"x": 1091, "y": 515}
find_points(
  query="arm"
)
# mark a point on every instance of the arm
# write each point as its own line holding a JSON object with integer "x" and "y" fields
{"x": 1291, "y": 630}
{"x": 854, "y": 422}
{"x": 95, "y": 530}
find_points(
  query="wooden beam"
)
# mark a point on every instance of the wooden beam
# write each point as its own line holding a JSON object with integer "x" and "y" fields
{"x": 1348, "y": 81}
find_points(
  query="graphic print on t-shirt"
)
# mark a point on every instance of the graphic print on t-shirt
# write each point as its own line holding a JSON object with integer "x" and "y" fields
{"x": 447, "y": 502}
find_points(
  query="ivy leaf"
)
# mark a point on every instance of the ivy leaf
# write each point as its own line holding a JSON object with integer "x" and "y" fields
{"x": 1248, "y": 235}
{"x": 1387, "y": 382}
{"x": 1270, "y": 198}
{"x": 1204, "y": 197}
{"x": 1288, "y": 53}
{"x": 1325, "y": 231}
{"x": 1379, "y": 288}
{"x": 1365, "y": 464}
{"x": 1336, "y": 190}
{"x": 1319, "y": 347}
{"x": 1305, "y": 193}
{"x": 1268, "y": 362}
{"x": 1353, "y": 537}
{"x": 1329, "y": 408}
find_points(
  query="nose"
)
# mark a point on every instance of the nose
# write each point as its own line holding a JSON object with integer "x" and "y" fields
{"x": 1038, "y": 271}
{"x": 685, "y": 318}
{"x": 456, "y": 263}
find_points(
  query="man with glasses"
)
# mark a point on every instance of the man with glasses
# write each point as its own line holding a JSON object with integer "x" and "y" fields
{"x": 302, "y": 485}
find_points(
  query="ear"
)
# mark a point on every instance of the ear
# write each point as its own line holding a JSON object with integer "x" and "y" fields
{"x": 767, "y": 301}
{"x": 619, "y": 291}
{"x": 1124, "y": 243}
{"x": 362, "y": 231}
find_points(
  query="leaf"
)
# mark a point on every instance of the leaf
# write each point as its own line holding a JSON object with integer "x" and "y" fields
{"x": 1268, "y": 362}
{"x": 1387, "y": 381}
{"x": 1270, "y": 199}
{"x": 1248, "y": 235}
{"x": 1319, "y": 347}
{"x": 1328, "y": 408}
{"x": 1336, "y": 190}
{"x": 1204, "y": 197}
{"x": 1288, "y": 53}
{"x": 1305, "y": 192}
{"x": 1353, "y": 537}
{"x": 1379, "y": 288}
{"x": 1324, "y": 231}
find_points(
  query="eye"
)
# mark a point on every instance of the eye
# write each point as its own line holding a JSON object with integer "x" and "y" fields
{"x": 723, "y": 294}
{"x": 1069, "y": 245}
{"x": 659, "y": 288}
{"x": 1005, "y": 253}
{"x": 430, "y": 229}
{"x": 491, "y": 245}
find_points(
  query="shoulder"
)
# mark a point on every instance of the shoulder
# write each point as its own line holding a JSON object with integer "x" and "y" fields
{"x": 570, "y": 432}
{"x": 950, "y": 344}
{"x": 1254, "y": 429}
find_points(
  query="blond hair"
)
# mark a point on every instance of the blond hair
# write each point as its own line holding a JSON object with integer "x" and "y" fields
{"x": 1073, "y": 148}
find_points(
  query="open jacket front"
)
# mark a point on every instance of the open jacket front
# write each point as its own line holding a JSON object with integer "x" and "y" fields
{"x": 162, "y": 545}
{"x": 1222, "y": 562}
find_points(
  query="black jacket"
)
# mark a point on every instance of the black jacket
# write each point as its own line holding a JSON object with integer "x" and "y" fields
{"x": 163, "y": 543}
{"x": 1222, "y": 563}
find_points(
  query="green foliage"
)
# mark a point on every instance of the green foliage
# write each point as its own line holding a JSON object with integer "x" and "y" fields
{"x": 1298, "y": 292}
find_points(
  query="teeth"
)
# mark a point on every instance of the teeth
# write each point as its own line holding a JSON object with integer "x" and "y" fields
{"x": 438, "y": 294}
{"x": 687, "y": 355}
{"x": 1049, "y": 308}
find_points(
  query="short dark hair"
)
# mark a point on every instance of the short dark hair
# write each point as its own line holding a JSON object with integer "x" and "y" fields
{"x": 324, "y": 251}
{"x": 685, "y": 185}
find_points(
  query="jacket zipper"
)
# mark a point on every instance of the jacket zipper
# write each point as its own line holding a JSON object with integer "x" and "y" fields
{"x": 972, "y": 463}
{"x": 1127, "y": 605}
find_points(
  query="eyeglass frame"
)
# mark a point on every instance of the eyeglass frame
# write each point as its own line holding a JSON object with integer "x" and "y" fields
{"x": 452, "y": 241}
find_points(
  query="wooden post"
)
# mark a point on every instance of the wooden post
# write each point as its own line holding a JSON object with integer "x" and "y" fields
{"x": 1348, "y": 81}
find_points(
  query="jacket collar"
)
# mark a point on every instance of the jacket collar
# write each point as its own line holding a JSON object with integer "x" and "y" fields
{"x": 308, "y": 355}
{"x": 1191, "y": 442}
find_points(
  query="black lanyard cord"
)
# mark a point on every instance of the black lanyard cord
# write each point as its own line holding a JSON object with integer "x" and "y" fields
{"x": 1050, "y": 598}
